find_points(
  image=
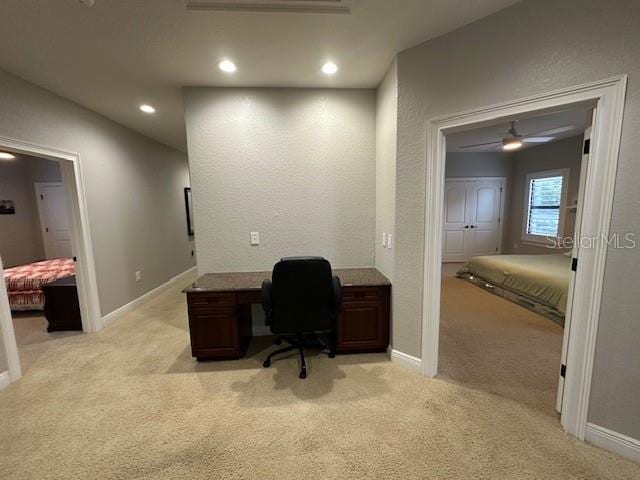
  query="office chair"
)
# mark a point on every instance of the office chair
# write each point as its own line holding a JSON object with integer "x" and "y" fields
{"x": 300, "y": 302}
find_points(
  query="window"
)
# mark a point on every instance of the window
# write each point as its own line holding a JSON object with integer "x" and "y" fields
{"x": 544, "y": 205}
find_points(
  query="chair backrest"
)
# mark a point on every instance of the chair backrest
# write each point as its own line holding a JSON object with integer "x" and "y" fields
{"x": 302, "y": 295}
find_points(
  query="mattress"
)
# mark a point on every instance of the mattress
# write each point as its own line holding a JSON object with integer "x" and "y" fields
{"x": 24, "y": 282}
{"x": 543, "y": 278}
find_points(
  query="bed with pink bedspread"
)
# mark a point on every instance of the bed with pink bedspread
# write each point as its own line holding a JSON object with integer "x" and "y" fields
{"x": 24, "y": 282}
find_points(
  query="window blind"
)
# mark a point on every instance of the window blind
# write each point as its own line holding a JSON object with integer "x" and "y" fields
{"x": 545, "y": 195}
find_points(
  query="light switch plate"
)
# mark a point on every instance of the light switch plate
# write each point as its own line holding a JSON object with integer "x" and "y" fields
{"x": 255, "y": 238}
{"x": 389, "y": 239}
{"x": 384, "y": 239}
{"x": 138, "y": 276}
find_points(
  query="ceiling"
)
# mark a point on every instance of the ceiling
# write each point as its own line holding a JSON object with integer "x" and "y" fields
{"x": 577, "y": 118}
{"x": 118, "y": 54}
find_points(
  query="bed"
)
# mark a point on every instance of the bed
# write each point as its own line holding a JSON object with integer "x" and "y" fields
{"x": 537, "y": 282}
{"x": 24, "y": 282}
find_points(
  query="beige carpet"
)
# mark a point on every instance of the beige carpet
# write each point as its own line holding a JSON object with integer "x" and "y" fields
{"x": 491, "y": 344}
{"x": 130, "y": 403}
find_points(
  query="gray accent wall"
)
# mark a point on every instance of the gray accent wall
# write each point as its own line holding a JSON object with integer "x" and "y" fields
{"x": 530, "y": 48}
{"x": 20, "y": 235}
{"x": 295, "y": 165}
{"x": 565, "y": 153}
{"x": 134, "y": 188}
{"x": 386, "y": 134}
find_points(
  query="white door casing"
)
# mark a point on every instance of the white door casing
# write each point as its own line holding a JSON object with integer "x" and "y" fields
{"x": 608, "y": 96}
{"x": 472, "y": 217}
{"x": 584, "y": 165}
{"x": 54, "y": 219}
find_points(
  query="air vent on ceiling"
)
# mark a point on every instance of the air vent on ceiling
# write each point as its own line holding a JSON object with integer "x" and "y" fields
{"x": 295, "y": 6}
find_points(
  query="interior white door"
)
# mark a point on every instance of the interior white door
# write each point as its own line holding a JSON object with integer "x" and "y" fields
{"x": 484, "y": 226}
{"x": 456, "y": 223}
{"x": 472, "y": 216}
{"x": 54, "y": 219}
{"x": 584, "y": 165}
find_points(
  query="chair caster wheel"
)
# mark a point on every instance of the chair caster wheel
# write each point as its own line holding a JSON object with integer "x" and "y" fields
{"x": 332, "y": 355}
{"x": 303, "y": 374}
{"x": 266, "y": 363}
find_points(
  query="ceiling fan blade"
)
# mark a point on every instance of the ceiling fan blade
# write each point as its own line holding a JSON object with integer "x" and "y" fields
{"x": 480, "y": 144}
{"x": 537, "y": 139}
{"x": 553, "y": 131}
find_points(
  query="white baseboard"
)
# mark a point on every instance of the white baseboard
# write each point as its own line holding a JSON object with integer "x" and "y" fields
{"x": 406, "y": 361}
{"x": 613, "y": 441}
{"x": 261, "y": 330}
{"x": 5, "y": 380}
{"x": 110, "y": 317}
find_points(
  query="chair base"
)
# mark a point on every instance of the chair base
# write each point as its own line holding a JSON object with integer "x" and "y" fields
{"x": 300, "y": 342}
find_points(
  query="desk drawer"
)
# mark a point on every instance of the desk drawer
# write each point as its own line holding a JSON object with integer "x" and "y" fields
{"x": 360, "y": 294}
{"x": 211, "y": 299}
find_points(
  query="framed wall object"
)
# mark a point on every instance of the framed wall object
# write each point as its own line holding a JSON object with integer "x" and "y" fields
{"x": 188, "y": 203}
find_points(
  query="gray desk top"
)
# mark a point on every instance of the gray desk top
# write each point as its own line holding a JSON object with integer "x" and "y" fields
{"x": 224, "y": 282}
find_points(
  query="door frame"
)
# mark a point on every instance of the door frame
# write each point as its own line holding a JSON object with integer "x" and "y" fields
{"x": 608, "y": 97}
{"x": 72, "y": 179}
{"x": 503, "y": 186}
{"x": 37, "y": 186}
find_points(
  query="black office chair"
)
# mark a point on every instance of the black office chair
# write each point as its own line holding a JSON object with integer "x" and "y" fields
{"x": 301, "y": 304}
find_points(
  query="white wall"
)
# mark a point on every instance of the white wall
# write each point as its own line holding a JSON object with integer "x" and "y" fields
{"x": 549, "y": 45}
{"x": 133, "y": 186}
{"x": 478, "y": 164}
{"x": 386, "y": 132}
{"x": 295, "y": 165}
{"x": 20, "y": 236}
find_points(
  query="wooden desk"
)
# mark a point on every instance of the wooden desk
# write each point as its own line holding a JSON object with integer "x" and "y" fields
{"x": 219, "y": 306}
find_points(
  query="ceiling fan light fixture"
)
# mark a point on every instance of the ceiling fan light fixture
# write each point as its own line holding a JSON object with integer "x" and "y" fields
{"x": 511, "y": 144}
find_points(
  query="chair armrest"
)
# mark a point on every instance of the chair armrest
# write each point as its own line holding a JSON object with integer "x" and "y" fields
{"x": 337, "y": 294}
{"x": 265, "y": 298}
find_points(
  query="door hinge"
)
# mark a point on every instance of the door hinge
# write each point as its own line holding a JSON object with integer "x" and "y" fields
{"x": 563, "y": 370}
{"x": 500, "y": 189}
{"x": 41, "y": 197}
{"x": 75, "y": 259}
{"x": 46, "y": 229}
{"x": 574, "y": 264}
{"x": 587, "y": 146}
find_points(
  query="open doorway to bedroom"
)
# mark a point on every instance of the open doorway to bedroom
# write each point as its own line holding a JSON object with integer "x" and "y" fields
{"x": 512, "y": 198}
{"x": 48, "y": 285}
{"x": 36, "y": 252}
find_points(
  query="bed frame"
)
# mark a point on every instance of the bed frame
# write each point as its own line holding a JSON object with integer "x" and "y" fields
{"x": 516, "y": 297}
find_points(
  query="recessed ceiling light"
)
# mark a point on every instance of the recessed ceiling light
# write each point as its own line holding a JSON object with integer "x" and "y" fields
{"x": 329, "y": 68}
{"x": 227, "y": 66}
{"x": 6, "y": 156}
{"x": 147, "y": 109}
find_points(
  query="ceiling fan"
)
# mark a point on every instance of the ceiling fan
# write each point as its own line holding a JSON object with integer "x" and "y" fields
{"x": 516, "y": 139}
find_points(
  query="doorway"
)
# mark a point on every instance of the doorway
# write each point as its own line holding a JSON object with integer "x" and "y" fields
{"x": 607, "y": 98}
{"x": 72, "y": 196}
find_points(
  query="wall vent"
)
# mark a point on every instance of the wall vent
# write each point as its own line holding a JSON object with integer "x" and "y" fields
{"x": 286, "y": 6}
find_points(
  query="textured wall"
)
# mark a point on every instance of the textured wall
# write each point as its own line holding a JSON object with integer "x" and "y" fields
{"x": 478, "y": 164}
{"x": 386, "y": 134}
{"x": 133, "y": 187}
{"x": 549, "y": 45}
{"x": 295, "y": 165}
{"x": 565, "y": 153}
{"x": 20, "y": 236}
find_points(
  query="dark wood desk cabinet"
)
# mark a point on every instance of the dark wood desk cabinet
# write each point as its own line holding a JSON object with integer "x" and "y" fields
{"x": 61, "y": 305}
{"x": 219, "y": 307}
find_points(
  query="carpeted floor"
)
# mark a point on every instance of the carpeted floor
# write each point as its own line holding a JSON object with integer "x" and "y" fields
{"x": 491, "y": 344}
{"x": 130, "y": 403}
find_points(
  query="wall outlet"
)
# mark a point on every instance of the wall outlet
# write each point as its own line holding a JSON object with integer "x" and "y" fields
{"x": 384, "y": 239}
{"x": 389, "y": 240}
{"x": 255, "y": 238}
{"x": 138, "y": 276}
